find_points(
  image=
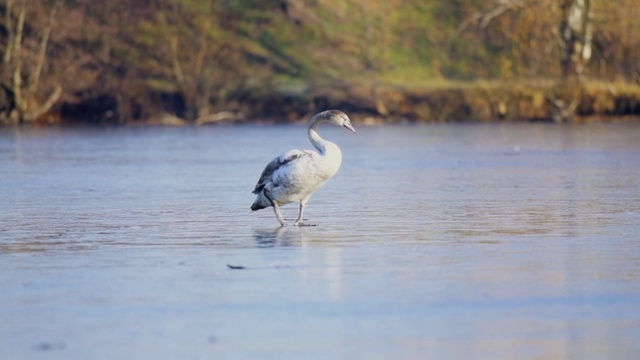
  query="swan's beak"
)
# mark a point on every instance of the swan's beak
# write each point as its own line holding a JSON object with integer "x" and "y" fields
{"x": 348, "y": 126}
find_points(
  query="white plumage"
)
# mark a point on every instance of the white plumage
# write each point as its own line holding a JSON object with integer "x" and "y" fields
{"x": 296, "y": 174}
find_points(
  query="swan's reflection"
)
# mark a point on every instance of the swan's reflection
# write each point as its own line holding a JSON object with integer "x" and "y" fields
{"x": 319, "y": 268}
{"x": 281, "y": 236}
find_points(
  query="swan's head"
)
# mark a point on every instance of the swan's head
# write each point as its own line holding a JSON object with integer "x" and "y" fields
{"x": 336, "y": 117}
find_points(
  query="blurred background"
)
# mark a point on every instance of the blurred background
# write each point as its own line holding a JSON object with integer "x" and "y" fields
{"x": 194, "y": 62}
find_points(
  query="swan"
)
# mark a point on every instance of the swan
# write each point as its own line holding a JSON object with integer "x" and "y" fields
{"x": 296, "y": 174}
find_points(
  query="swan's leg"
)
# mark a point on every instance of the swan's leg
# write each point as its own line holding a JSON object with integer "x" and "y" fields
{"x": 299, "y": 222}
{"x": 299, "y": 219}
{"x": 276, "y": 208}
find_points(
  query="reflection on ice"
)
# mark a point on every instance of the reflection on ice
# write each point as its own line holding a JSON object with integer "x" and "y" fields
{"x": 281, "y": 236}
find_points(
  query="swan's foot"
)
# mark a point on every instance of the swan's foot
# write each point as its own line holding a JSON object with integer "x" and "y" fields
{"x": 299, "y": 219}
{"x": 281, "y": 220}
{"x": 276, "y": 208}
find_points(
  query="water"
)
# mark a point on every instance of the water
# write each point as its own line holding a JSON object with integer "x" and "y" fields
{"x": 435, "y": 241}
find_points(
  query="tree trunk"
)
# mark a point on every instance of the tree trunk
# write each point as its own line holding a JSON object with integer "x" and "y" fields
{"x": 576, "y": 34}
{"x": 34, "y": 114}
{"x": 34, "y": 79}
{"x": 24, "y": 107}
{"x": 17, "y": 59}
{"x": 9, "y": 26}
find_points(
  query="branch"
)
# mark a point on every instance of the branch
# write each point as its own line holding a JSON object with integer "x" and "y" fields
{"x": 562, "y": 111}
{"x": 34, "y": 79}
{"x": 48, "y": 104}
{"x": 500, "y": 8}
{"x": 482, "y": 19}
{"x": 202, "y": 48}
{"x": 177, "y": 69}
{"x": 7, "y": 20}
{"x": 17, "y": 50}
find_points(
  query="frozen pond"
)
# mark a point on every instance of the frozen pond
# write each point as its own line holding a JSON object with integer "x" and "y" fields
{"x": 433, "y": 241}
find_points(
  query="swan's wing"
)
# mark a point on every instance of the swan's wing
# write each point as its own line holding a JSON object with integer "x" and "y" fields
{"x": 278, "y": 163}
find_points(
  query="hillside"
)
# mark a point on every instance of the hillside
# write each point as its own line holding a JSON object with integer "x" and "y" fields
{"x": 188, "y": 61}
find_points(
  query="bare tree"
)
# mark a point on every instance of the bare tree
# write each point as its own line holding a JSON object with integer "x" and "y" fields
{"x": 484, "y": 17}
{"x": 573, "y": 20}
{"x": 19, "y": 64}
{"x": 576, "y": 35}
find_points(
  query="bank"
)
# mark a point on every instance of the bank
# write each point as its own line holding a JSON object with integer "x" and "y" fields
{"x": 479, "y": 101}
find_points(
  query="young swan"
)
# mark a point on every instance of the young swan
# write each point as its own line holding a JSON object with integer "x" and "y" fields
{"x": 296, "y": 174}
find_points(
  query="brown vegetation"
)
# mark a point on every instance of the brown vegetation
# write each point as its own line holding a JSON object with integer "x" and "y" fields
{"x": 199, "y": 62}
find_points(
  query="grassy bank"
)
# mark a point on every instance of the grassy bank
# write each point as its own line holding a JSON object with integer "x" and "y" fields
{"x": 480, "y": 101}
{"x": 193, "y": 62}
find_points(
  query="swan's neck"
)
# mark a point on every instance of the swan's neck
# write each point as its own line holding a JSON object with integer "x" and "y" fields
{"x": 330, "y": 152}
{"x": 318, "y": 142}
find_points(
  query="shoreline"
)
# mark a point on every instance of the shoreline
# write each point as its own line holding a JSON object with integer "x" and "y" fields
{"x": 373, "y": 104}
